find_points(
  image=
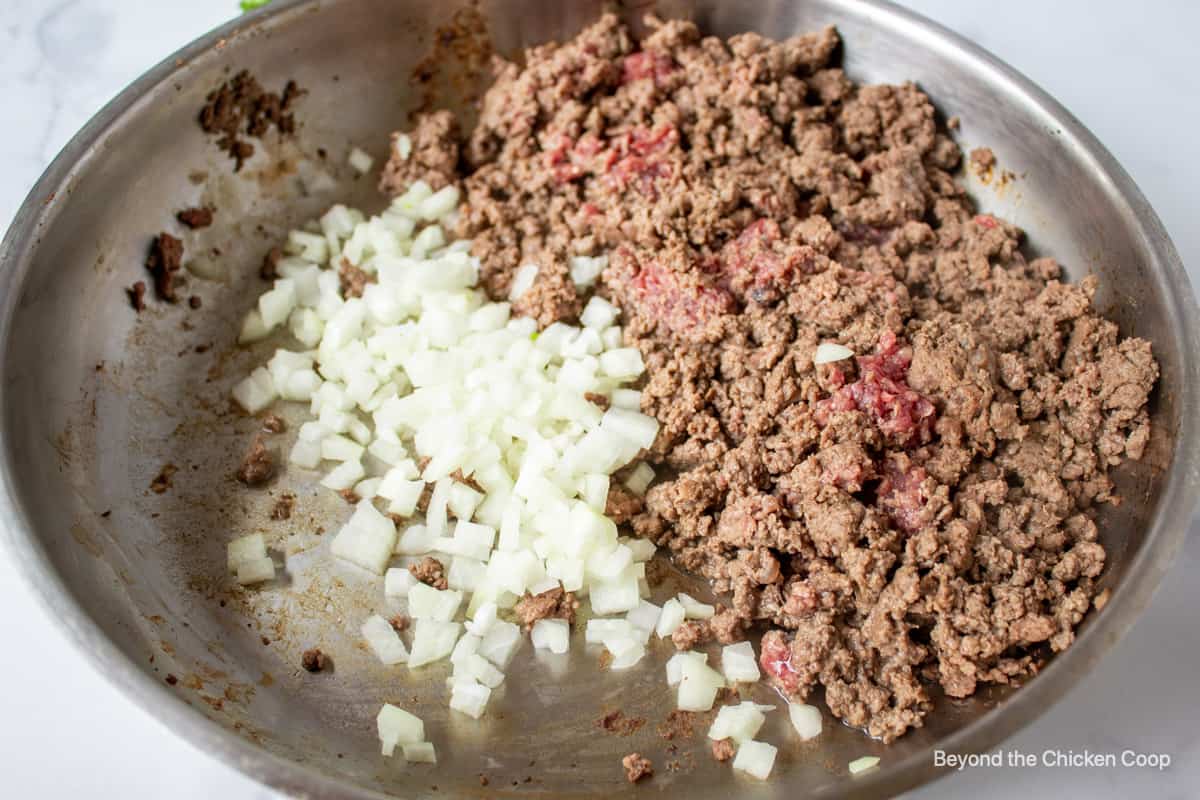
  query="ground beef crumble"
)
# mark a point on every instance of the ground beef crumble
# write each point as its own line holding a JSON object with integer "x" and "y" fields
{"x": 258, "y": 465}
{"x": 429, "y": 571}
{"x": 723, "y": 750}
{"x": 550, "y": 604}
{"x": 194, "y": 218}
{"x": 240, "y": 107}
{"x": 314, "y": 660}
{"x": 637, "y": 767}
{"x": 163, "y": 263}
{"x": 920, "y": 514}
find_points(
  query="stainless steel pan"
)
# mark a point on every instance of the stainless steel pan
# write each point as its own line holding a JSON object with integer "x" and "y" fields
{"x": 96, "y": 400}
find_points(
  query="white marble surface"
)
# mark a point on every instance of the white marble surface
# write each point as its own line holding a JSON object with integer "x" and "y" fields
{"x": 66, "y": 733}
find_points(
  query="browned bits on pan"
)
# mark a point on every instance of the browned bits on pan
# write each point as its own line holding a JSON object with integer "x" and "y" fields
{"x": 162, "y": 481}
{"x": 678, "y": 725}
{"x": 314, "y": 660}
{"x": 194, "y": 301}
{"x": 137, "y": 295}
{"x": 258, "y": 465}
{"x": 171, "y": 679}
{"x": 195, "y": 218}
{"x": 283, "y": 507}
{"x": 400, "y": 622}
{"x": 617, "y": 723}
{"x": 163, "y": 262}
{"x": 350, "y": 496}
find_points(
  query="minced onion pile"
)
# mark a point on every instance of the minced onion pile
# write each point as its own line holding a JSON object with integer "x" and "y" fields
{"x": 424, "y": 368}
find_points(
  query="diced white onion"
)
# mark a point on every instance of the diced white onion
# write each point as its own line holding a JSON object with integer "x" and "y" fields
{"x": 739, "y": 664}
{"x": 694, "y": 609}
{"x": 756, "y": 759}
{"x": 805, "y": 719}
{"x": 863, "y": 764}
{"x": 420, "y": 753}
{"x": 829, "y": 352}
{"x": 385, "y": 643}
{"x": 398, "y": 727}
{"x": 551, "y": 634}
{"x": 360, "y": 161}
{"x": 522, "y": 280}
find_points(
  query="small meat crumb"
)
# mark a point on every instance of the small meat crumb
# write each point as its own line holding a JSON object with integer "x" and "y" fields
{"x": 429, "y": 571}
{"x": 137, "y": 295}
{"x": 692, "y": 634}
{"x": 597, "y": 399}
{"x": 164, "y": 260}
{"x": 162, "y": 481}
{"x": 350, "y": 496}
{"x": 171, "y": 680}
{"x": 268, "y": 271}
{"x": 550, "y": 604}
{"x": 636, "y": 767}
{"x": 200, "y": 217}
{"x": 982, "y": 160}
{"x": 258, "y": 465}
{"x": 314, "y": 660}
{"x": 353, "y": 279}
{"x": 400, "y": 622}
{"x": 240, "y": 107}
{"x": 722, "y": 750}
{"x": 273, "y": 423}
{"x": 194, "y": 301}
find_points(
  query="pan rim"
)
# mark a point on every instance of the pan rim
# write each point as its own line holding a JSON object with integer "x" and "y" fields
{"x": 1165, "y": 535}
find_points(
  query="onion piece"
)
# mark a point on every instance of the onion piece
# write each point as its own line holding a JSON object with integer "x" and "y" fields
{"x": 551, "y": 634}
{"x": 384, "y": 641}
{"x": 360, "y": 161}
{"x": 367, "y": 540}
{"x": 740, "y": 723}
{"x": 522, "y": 280}
{"x": 829, "y": 352}
{"x": 862, "y": 764}
{"x": 255, "y": 570}
{"x": 698, "y": 686}
{"x": 756, "y": 759}
{"x": 245, "y": 548}
{"x": 694, "y": 609}
{"x": 672, "y": 616}
{"x": 398, "y": 727}
{"x": 433, "y": 640}
{"x": 805, "y": 719}
{"x": 739, "y": 664}
{"x": 420, "y": 753}
{"x": 469, "y": 697}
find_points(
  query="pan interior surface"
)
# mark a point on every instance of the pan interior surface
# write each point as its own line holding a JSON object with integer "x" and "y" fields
{"x": 99, "y": 400}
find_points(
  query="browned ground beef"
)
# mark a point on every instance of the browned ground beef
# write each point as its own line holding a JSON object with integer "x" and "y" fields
{"x": 550, "y": 604}
{"x": 920, "y": 514}
{"x": 429, "y": 571}
{"x": 636, "y": 767}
